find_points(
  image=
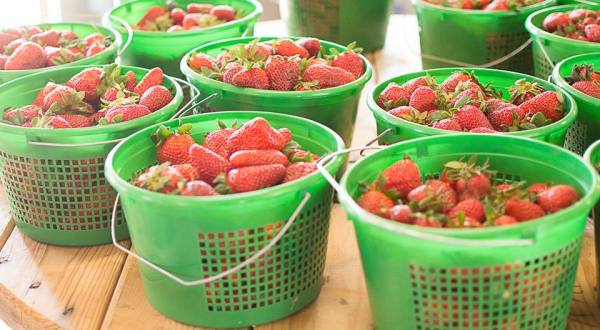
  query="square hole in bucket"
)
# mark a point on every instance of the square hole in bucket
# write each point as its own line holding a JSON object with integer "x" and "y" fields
{"x": 527, "y": 294}
{"x": 499, "y": 45}
{"x": 65, "y": 195}
{"x": 294, "y": 265}
{"x": 576, "y": 137}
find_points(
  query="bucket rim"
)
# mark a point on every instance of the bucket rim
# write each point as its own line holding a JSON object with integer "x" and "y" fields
{"x": 482, "y": 13}
{"x": 561, "y": 82}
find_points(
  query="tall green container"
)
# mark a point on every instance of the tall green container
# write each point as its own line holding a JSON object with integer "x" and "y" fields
{"x": 82, "y": 30}
{"x": 165, "y": 49}
{"x": 592, "y": 156}
{"x": 401, "y": 130}
{"x": 334, "y": 107}
{"x": 54, "y": 178}
{"x": 456, "y": 37}
{"x": 548, "y": 48}
{"x": 341, "y": 21}
{"x": 513, "y": 277}
{"x": 586, "y": 129}
{"x": 198, "y": 237}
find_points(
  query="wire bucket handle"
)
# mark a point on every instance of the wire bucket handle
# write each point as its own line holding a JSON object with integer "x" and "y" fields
{"x": 106, "y": 22}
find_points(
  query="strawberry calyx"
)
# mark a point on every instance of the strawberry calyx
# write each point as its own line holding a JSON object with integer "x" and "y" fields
{"x": 71, "y": 103}
{"x": 163, "y": 133}
{"x": 459, "y": 169}
{"x": 221, "y": 185}
{"x": 522, "y": 88}
{"x": 157, "y": 179}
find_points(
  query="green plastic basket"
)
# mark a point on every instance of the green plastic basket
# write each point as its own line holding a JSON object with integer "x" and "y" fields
{"x": 579, "y": 2}
{"x": 198, "y": 237}
{"x": 82, "y": 30}
{"x": 592, "y": 156}
{"x": 470, "y": 38}
{"x": 334, "y": 107}
{"x": 586, "y": 129}
{"x": 513, "y": 277}
{"x": 394, "y": 129}
{"x": 548, "y": 48}
{"x": 54, "y": 178}
{"x": 164, "y": 49}
{"x": 341, "y": 21}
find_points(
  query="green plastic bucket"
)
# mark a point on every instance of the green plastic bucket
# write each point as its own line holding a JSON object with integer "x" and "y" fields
{"x": 334, "y": 107}
{"x": 592, "y": 156}
{"x": 586, "y": 129}
{"x": 394, "y": 129}
{"x": 579, "y": 2}
{"x": 54, "y": 178}
{"x": 341, "y": 21}
{"x": 82, "y": 30}
{"x": 471, "y": 38}
{"x": 195, "y": 238}
{"x": 513, "y": 277}
{"x": 548, "y": 48}
{"x": 164, "y": 49}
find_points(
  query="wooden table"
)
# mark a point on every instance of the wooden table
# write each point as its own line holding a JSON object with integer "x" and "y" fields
{"x": 45, "y": 286}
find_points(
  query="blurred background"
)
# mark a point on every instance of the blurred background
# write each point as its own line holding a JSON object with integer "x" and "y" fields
{"x": 22, "y": 12}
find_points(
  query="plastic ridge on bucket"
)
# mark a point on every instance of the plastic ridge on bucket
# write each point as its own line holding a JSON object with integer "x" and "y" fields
{"x": 475, "y": 38}
{"x": 334, "y": 107}
{"x": 592, "y": 156}
{"x": 518, "y": 276}
{"x": 586, "y": 129}
{"x": 54, "y": 178}
{"x": 196, "y": 239}
{"x": 164, "y": 49}
{"x": 82, "y": 30}
{"x": 548, "y": 48}
{"x": 400, "y": 130}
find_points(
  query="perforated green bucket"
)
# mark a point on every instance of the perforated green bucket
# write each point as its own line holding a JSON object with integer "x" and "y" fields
{"x": 548, "y": 48}
{"x": 82, "y": 30}
{"x": 397, "y": 129}
{"x": 54, "y": 178}
{"x": 586, "y": 129}
{"x": 334, "y": 107}
{"x": 456, "y": 37}
{"x": 592, "y": 156}
{"x": 165, "y": 49}
{"x": 195, "y": 238}
{"x": 341, "y": 21}
{"x": 512, "y": 277}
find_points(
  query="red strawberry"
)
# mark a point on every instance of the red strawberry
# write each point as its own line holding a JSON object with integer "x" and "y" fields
{"x": 3, "y": 59}
{"x": 67, "y": 36}
{"x": 216, "y": 141}
{"x": 173, "y": 145}
{"x": 34, "y": 29}
{"x": 435, "y": 188}
{"x": 472, "y": 208}
{"x": 156, "y": 97}
{"x": 470, "y": 117}
{"x": 151, "y": 14}
{"x": 350, "y": 61}
{"x": 207, "y": 163}
{"x": 131, "y": 81}
{"x": 393, "y": 96}
{"x": 286, "y": 134}
{"x": 77, "y": 121}
{"x": 46, "y": 38}
{"x": 251, "y": 178}
{"x": 28, "y": 55}
{"x": 64, "y": 99}
{"x": 312, "y": 45}
{"x": 376, "y": 202}
{"x": 449, "y": 85}
{"x": 154, "y": 77}
{"x": 537, "y": 187}
{"x": 506, "y": 118}
{"x": 223, "y": 12}
{"x": 401, "y": 213}
{"x": 287, "y": 47}
{"x": 401, "y": 177}
{"x": 492, "y": 105}
{"x": 6, "y": 38}
{"x": 161, "y": 178}
{"x": 524, "y": 90}
{"x": 255, "y": 134}
{"x": 448, "y": 124}
{"x": 410, "y": 114}
{"x": 39, "y": 99}
{"x": 298, "y": 156}
{"x": 190, "y": 20}
{"x": 591, "y": 88}
{"x": 245, "y": 158}
{"x": 203, "y": 8}
{"x": 253, "y": 77}
{"x": 177, "y": 15}
{"x": 523, "y": 210}
{"x": 58, "y": 56}
{"x": 555, "y": 20}
{"x": 461, "y": 221}
{"x": 483, "y": 130}
{"x": 121, "y": 113}
{"x": 472, "y": 97}
{"x": 22, "y": 115}
{"x": 87, "y": 81}
{"x": 256, "y": 51}
{"x": 424, "y": 220}
{"x": 327, "y": 76}
{"x": 557, "y": 198}
{"x": 579, "y": 14}
{"x": 548, "y": 103}
{"x": 283, "y": 72}
{"x": 298, "y": 170}
{"x": 498, "y": 5}
{"x": 48, "y": 122}
{"x": 230, "y": 71}
{"x": 412, "y": 85}
{"x": 94, "y": 49}
{"x": 198, "y": 188}
{"x": 423, "y": 99}
{"x": 199, "y": 61}
{"x": 505, "y": 220}
{"x": 112, "y": 94}
{"x": 187, "y": 171}
{"x": 13, "y": 45}
{"x": 94, "y": 38}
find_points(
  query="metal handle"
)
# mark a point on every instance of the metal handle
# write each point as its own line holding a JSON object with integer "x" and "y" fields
{"x": 73, "y": 145}
{"x": 543, "y": 49}
{"x": 382, "y": 134}
{"x": 106, "y": 22}
{"x": 204, "y": 102}
{"x": 247, "y": 30}
{"x": 194, "y": 95}
{"x": 232, "y": 270}
{"x": 400, "y": 229}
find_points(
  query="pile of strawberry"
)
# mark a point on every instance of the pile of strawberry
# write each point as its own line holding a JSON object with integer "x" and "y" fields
{"x": 465, "y": 196}
{"x": 229, "y": 160}
{"x": 196, "y": 16}
{"x": 94, "y": 96}
{"x": 462, "y": 103}
{"x": 487, "y": 5}
{"x": 282, "y": 65}
{"x": 578, "y": 24}
{"x": 585, "y": 79}
{"x": 32, "y": 47}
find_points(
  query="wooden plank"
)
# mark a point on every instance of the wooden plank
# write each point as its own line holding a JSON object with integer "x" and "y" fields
{"x": 71, "y": 287}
